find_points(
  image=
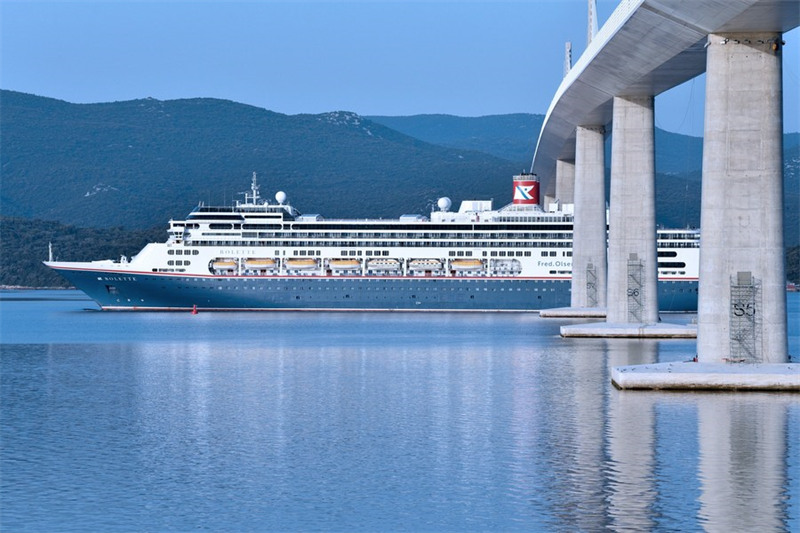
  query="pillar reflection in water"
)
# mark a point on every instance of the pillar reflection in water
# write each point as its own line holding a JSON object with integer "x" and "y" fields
{"x": 558, "y": 436}
{"x": 631, "y": 444}
{"x": 734, "y": 476}
{"x": 742, "y": 462}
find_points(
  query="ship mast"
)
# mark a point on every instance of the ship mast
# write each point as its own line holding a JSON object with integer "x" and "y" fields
{"x": 253, "y": 196}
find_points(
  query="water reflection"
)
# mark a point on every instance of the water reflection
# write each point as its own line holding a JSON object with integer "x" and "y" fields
{"x": 700, "y": 460}
{"x": 631, "y": 445}
{"x": 742, "y": 462}
{"x": 364, "y": 422}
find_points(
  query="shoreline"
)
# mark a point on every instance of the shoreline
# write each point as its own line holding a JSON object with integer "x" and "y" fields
{"x": 24, "y": 288}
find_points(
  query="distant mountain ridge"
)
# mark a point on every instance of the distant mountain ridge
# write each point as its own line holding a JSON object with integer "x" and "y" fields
{"x": 513, "y": 137}
{"x": 139, "y": 163}
{"x": 142, "y": 162}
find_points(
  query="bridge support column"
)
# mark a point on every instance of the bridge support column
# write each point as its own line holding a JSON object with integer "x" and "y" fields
{"x": 742, "y": 298}
{"x": 632, "y": 257}
{"x": 565, "y": 181}
{"x": 589, "y": 263}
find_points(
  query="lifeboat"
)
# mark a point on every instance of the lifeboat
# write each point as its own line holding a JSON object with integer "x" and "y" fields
{"x": 345, "y": 264}
{"x": 259, "y": 263}
{"x": 301, "y": 264}
{"x": 466, "y": 264}
{"x": 512, "y": 266}
{"x": 383, "y": 264}
{"x": 223, "y": 264}
{"x": 424, "y": 264}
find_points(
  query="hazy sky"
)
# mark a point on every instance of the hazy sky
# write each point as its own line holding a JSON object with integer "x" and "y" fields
{"x": 373, "y": 57}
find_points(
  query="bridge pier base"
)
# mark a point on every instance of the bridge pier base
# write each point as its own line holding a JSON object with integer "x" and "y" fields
{"x": 632, "y": 258}
{"x": 742, "y": 291}
{"x": 742, "y": 341}
{"x": 632, "y": 295}
{"x": 589, "y": 262}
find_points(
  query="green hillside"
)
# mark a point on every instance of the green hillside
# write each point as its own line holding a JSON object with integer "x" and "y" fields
{"x": 512, "y": 137}
{"x": 24, "y": 245}
{"x": 139, "y": 163}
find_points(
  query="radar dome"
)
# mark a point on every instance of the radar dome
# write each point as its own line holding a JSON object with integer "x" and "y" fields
{"x": 280, "y": 196}
{"x": 444, "y": 203}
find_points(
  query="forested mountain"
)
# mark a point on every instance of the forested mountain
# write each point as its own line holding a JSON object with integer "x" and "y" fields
{"x": 512, "y": 137}
{"x": 139, "y": 163}
{"x": 24, "y": 245}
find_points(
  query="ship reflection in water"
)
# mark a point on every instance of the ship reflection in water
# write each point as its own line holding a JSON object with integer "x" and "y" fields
{"x": 364, "y": 422}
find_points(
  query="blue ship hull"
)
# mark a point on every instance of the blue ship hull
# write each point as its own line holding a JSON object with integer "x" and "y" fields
{"x": 144, "y": 291}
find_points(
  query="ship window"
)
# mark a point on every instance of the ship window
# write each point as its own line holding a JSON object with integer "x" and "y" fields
{"x": 671, "y": 265}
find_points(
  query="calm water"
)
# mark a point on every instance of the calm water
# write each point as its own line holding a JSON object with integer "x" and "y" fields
{"x": 370, "y": 422}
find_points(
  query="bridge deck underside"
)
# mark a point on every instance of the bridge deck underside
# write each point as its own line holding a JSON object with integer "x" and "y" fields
{"x": 645, "y": 48}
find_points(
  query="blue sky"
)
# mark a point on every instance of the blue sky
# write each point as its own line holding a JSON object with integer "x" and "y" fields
{"x": 373, "y": 57}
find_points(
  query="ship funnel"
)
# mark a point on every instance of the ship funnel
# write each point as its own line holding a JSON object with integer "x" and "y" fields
{"x": 526, "y": 189}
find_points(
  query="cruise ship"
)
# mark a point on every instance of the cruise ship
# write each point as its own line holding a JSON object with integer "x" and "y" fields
{"x": 261, "y": 255}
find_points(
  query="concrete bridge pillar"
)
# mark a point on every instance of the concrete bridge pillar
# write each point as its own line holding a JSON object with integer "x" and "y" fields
{"x": 632, "y": 256}
{"x": 589, "y": 263}
{"x": 565, "y": 181}
{"x": 742, "y": 293}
